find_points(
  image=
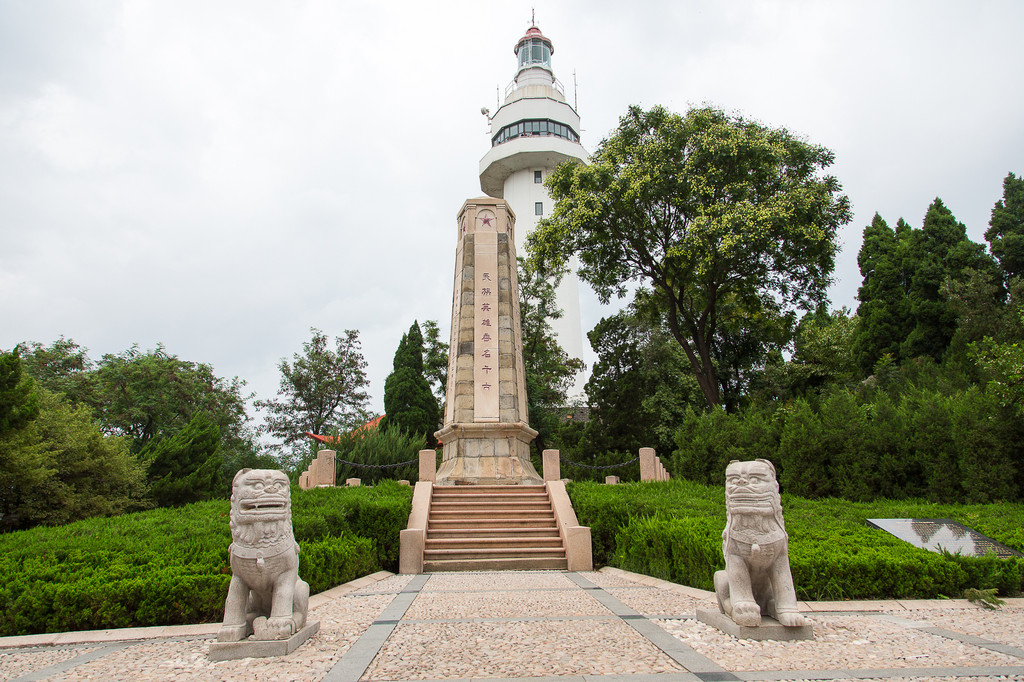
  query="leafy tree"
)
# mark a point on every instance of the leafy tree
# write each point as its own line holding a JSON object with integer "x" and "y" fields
{"x": 409, "y": 404}
{"x": 641, "y": 387}
{"x": 705, "y": 209}
{"x": 18, "y": 401}
{"x": 1003, "y": 364}
{"x": 322, "y": 390}
{"x": 822, "y": 358}
{"x": 186, "y": 467}
{"x": 1005, "y": 234}
{"x": 63, "y": 367}
{"x": 549, "y": 370}
{"x": 150, "y": 395}
{"x": 60, "y": 467}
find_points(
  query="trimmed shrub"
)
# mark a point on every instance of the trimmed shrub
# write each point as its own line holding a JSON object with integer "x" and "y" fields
{"x": 170, "y": 566}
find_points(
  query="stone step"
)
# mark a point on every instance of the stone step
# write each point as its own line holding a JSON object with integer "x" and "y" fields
{"x": 489, "y": 504}
{"x": 461, "y": 523}
{"x": 494, "y": 553}
{"x": 440, "y": 493}
{"x": 481, "y": 489}
{"x": 485, "y": 543}
{"x": 496, "y": 512}
{"x": 507, "y": 532}
{"x": 506, "y": 564}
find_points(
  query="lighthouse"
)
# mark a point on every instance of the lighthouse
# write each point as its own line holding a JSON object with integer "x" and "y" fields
{"x": 533, "y": 131}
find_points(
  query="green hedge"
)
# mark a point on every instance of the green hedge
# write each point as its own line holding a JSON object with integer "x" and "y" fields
{"x": 170, "y": 566}
{"x": 674, "y": 531}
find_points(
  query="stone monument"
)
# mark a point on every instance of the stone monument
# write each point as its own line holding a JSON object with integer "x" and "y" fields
{"x": 485, "y": 435}
{"x": 755, "y": 592}
{"x": 265, "y": 610}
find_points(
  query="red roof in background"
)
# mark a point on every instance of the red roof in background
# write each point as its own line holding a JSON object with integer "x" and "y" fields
{"x": 328, "y": 440}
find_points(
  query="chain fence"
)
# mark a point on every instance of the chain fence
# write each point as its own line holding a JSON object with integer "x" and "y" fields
{"x": 377, "y": 466}
{"x": 605, "y": 466}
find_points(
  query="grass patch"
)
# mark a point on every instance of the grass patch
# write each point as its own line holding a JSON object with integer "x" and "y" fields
{"x": 170, "y": 566}
{"x": 673, "y": 531}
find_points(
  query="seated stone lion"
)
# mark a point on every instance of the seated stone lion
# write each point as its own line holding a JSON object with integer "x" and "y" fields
{"x": 756, "y": 579}
{"x": 266, "y": 597}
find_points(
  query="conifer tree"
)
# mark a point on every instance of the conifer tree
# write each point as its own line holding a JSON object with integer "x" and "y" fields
{"x": 939, "y": 250}
{"x": 186, "y": 467}
{"x": 882, "y": 312}
{"x": 1006, "y": 228}
{"x": 409, "y": 404}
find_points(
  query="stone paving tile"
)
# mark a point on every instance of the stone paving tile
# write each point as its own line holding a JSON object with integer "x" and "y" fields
{"x": 16, "y": 664}
{"x": 500, "y": 604}
{"x": 841, "y": 642}
{"x": 434, "y": 651}
{"x": 341, "y": 623}
{"x": 606, "y": 580}
{"x": 394, "y": 583}
{"x": 1005, "y": 625}
{"x": 651, "y": 601}
{"x": 497, "y": 580}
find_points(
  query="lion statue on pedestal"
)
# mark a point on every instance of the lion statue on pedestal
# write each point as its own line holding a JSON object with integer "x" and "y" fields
{"x": 266, "y": 597}
{"x": 756, "y": 579}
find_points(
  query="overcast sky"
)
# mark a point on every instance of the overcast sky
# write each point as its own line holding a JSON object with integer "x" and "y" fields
{"x": 221, "y": 176}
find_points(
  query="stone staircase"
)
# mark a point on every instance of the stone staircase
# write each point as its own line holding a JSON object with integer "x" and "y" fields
{"x": 492, "y": 527}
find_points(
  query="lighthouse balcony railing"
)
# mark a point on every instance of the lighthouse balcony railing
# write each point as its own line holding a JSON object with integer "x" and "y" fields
{"x": 555, "y": 83}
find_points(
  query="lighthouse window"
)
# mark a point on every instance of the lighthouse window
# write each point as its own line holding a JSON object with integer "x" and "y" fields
{"x": 537, "y": 179}
{"x": 538, "y": 208}
{"x": 534, "y": 51}
{"x": 534, "y": 127}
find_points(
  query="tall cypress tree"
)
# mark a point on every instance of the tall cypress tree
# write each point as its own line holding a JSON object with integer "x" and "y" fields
{"x": 409, "y": 403}
{"x": 1006, "y": 228}
{"x": 940, "y": 249}
{"x": 882, "y": 312}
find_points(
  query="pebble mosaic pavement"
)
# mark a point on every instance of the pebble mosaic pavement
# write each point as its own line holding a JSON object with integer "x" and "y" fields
{"x": 605, "y": 626}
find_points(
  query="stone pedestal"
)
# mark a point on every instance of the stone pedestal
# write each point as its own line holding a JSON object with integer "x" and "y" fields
{"x": 769, "y": 629}
{"x": 486, "y": 436}
{"x": 262, "y": 648}
{"x": 487, "y": 454}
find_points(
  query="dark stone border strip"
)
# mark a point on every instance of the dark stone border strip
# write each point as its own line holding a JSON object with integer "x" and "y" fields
{"x": 63, "y": 666}
{"x": 924, "y": 626}
{"x": 702, "y": 667}
{"x": 359, "y": 656}
{"x": 767, "y": 675}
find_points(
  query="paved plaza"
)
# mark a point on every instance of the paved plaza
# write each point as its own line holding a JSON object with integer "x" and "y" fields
{"x": 602, "y": 626}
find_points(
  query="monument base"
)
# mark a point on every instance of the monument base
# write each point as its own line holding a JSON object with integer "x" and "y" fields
{"x": 262, "y": 648}
{"x": 487, "y": 453}
{"x": 769, "y": 629}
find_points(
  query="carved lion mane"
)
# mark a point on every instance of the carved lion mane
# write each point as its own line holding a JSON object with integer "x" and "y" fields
{"x": 261, "y": 513}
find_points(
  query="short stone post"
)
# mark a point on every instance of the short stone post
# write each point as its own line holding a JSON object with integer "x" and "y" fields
{"x": 326, "y": 471}
{"x": 648, "y": 465}
{"x": 353, "y": 482}
{"x": 428, "y": 465}
{"x": 552, "y": 465}
{"x": 611, "y": 480}
{"x": 304, "y": 480}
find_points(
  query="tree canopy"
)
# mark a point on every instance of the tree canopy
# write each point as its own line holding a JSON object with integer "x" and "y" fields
{"x": 705, "y": 209}
{"x": 321, "y": 390}
{"x": 549, "y": 371}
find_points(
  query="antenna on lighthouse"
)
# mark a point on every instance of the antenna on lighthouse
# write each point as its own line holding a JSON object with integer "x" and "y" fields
{"x": 575, "y": 92}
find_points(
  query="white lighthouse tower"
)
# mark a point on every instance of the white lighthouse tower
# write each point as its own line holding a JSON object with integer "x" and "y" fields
{"x": 534, "y": 130}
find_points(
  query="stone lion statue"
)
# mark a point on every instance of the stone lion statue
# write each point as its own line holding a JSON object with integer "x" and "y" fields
{"x": 266, "y": 597}
{"x": 756, "y": 579}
